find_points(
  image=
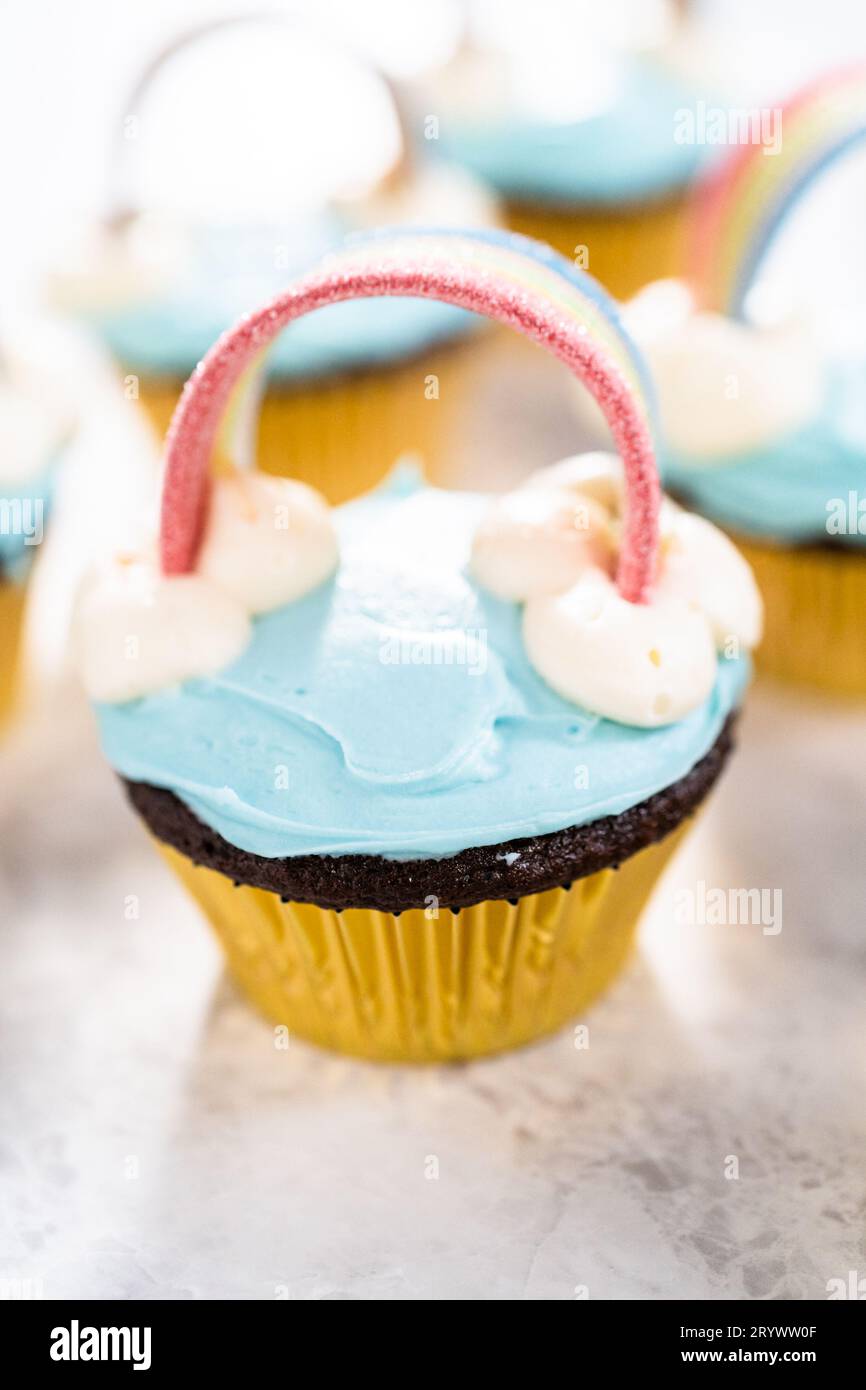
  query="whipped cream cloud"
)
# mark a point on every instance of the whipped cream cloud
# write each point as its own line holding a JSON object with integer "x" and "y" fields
{"x": 267, "y": 542}
{"x": 724, "y": 387}
{"x": 539, "y": 541}
{"x": 139, "y": 631}
{"x": 641, "y": 664}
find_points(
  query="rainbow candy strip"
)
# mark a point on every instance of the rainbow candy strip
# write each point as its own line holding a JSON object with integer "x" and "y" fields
{"x": 740, "y": 208}
{"x": 537, "y": 267}
{"x": 506, "y": 278}
{"x": 532, "y": 266}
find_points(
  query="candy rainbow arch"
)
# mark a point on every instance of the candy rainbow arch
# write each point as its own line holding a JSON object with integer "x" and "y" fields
{"x": 739, "y": 209}
{"x": 507, "y": 278}
{"x": 556, "y": 276}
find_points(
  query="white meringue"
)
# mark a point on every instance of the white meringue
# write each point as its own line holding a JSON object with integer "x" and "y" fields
{"x": 641, "y": 664}
{"x": 267, "y": 540}
{"x": 138, "y": 631}
{"x": 534, "y": 541}
{"x": 699, "y": 563}
{"x": 723, "y": 387}
{"x": 597, "y": 475}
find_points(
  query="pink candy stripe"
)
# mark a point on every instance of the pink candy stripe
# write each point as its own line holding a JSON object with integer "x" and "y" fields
{"x": 196, "y": 420}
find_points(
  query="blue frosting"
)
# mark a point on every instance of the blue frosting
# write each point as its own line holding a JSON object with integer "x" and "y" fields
{"x": 231, "y": 270}
{"x": 344, "y": 727}
{"x": 622, "y": 153}
{"x": 25, "y": 510}
{"x": 788, "y": 490}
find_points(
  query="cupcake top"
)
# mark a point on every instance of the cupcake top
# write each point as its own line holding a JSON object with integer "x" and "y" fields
{"x": 34, "y": 427}
{"x": 158, "y": 289}
{"x": 560, "y": 121}
{"x": 158, "y": 296}
{"x": 419, "y": 672}
{"x": 760, "y": 429}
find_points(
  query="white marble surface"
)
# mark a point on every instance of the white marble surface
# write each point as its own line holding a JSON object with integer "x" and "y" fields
{"x": 155, "y": 1144}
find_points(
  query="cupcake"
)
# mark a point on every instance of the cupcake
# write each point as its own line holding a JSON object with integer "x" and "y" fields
{"x": 348, "y": 389}
{"x": 578, "y": 138}
{"x": 33, "y": 433}
{"x": 421, "y": 758}
{"x": 764, "y": 431}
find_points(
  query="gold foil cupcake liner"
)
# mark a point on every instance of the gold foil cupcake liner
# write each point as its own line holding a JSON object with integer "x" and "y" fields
{"x": 344, "y": 436}
{"x": 815, "y": 615}
{"x": 428, "y": 985}
{"x": 625, "y": 249}
{"x": 12, "y": 603}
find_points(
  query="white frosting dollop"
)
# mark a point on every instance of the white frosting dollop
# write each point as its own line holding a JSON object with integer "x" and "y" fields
{"x": 267, "y": 542}
{"x": 724, "y": 387}
{"x": 138, "y": 631}
{"x": 644, "y": 664}
{"x": 698, "y": 559}
{"x": 596, "y": 475}
{"x": 641, "y": 664}
{"x": 537, "y": 541}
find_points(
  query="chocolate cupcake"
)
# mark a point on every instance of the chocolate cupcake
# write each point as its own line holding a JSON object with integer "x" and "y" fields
{"x": 422, "y": 758}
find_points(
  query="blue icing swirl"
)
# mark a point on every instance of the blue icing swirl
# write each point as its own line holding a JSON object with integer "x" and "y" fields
{"x": 787, "y": 490}
{"x": 232, "y": 270}
{"x": 625, "y": 152}
{"x": 393, "y": 711}
{"x": 24, "y": 509}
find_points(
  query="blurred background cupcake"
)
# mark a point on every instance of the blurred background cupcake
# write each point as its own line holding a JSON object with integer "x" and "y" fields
{"x": 223, "y": 184}
{"x": 760, "y": 366}
{"x": 35, "y": 427}
{"x": 573, "y": 112}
